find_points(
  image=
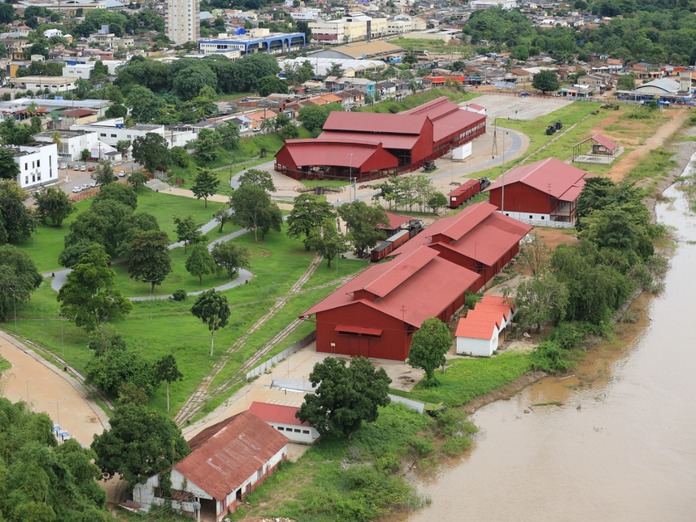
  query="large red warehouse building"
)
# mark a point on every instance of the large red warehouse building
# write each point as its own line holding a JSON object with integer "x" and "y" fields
{"x": 543, "y": 192}
{"x": 411, "y": 137}
{"x": 376, "y": 313}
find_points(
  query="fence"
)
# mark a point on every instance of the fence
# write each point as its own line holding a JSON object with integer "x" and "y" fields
{"x": 293, "y": 384}
{"x": 413, "y": 405}
{"x": 296, "y": 347}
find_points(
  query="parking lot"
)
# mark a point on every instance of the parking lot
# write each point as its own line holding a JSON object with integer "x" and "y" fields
{"x": 78, "y": 177}
{"x": 519, "y": 107}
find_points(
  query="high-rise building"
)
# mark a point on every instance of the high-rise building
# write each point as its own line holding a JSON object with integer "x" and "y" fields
{"x": 181, "y": 23}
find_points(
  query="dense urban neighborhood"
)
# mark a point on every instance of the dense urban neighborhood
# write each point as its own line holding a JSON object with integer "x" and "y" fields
{"x": 263, "y": 258}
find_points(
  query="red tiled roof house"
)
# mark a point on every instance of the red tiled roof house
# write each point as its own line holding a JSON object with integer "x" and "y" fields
{"x": 227, "y": 461}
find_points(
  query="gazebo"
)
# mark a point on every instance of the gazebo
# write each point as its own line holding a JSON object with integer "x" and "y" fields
{"x": 601, "y": 150}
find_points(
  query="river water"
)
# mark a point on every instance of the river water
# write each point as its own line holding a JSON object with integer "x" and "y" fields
{"x": 622, "y": 446}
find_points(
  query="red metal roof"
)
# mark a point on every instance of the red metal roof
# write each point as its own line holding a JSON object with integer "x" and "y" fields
{"x": 415, "y": 295}
{"x": 375, "y": 123}
{"x": 226, "y": 454}
{"x": 475, "y": 328}
{"x": 499, "y": 300}
{"x": 388, "y": 141}
{"x": 485, "y": 315}
{"x": 461, "y": 189}
{"x": 551, "y": 176}
{"x": 448, "y": 118}
{"x": 79, "y": 113}
{"x": 309, "y": 153}
{"x": 605, "y": 142}
{"x": 278, "y": 413}
{"x": 478, "y": 232}
{"x": 399, "y": 271}
{"x": 501, "y": 310}
{"x": 395, "y": 221}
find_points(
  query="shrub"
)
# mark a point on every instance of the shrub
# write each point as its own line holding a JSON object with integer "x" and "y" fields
{"x": 470, "y": 300}
{"x": 179, "y": 295}
{"x": 456, "y": 445}
{"x": 550, "y": 357}
{"x": 451, "y": 422}
{"x": 422, "y": 447}
{"x": 568, "y": 335}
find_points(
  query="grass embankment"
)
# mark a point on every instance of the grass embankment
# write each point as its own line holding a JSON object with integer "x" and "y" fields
{"x": 414, "y": 100}
{"x": 157, "y": 328}
{"x": 433, "y": 46}
{"x": 361, "y": 479}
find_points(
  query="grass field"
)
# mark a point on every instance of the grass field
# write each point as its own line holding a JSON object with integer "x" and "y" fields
{"x": 433, "y": 46}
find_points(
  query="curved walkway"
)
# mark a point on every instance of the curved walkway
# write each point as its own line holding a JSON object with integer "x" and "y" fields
{"x": 59, "y": 277}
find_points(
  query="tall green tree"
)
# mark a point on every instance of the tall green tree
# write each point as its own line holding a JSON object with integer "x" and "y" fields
{"x": 187, "y": 230}
{"x": 53, "y": 205}
{"x": 116, "y": 370}
{"x": 145, "y": 106}
{"x": 363, "y": 221}
{"x": 428, "y": 348}
{"x": 89, "y": 296}
{"x": 140, "y": 443}
{"x": 327, "y": 241}
{"x": 272, "y": 84}
{"x": 104, "y": 173}
{"x": 206, "y": 145}
{"x": 200, "y": 262}
{"x": 205, "y": 184}
{"x": 253, "y": 209}
{"x": 167, "y": 370}
{"x": 18, "y": 279}
{"x": 16, "y": 223}
{"x": 230, "y": 257}
{"x": 345, "y": 396}
{"x": 151, "y": 152}
{"x": 212, "y": 309}
{"x": 541, "y": 300}
{"x": 118, "y": 192}
{"x": 546, "y": 81}
{"x": 260, "y": 178}
{"x": 308, "y": 212}
{"x": 148, "y": 258}
{"x": 8, "y": 166}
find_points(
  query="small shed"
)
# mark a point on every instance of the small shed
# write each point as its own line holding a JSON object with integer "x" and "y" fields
{"x": 598, "y": 146}
{"x": 283, "y": 418}
{"x": 477, "y": 337}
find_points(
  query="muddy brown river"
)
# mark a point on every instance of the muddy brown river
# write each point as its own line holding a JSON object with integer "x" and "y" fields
{"x": 620, "y": 447}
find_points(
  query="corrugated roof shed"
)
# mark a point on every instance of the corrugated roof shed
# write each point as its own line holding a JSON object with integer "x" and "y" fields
{"x": 605, "y": 142}
{"x": 224, "y": 455}
{"x": 476, "y": 328}
{"x": 371, "y": 122}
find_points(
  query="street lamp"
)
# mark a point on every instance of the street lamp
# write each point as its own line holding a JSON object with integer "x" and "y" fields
{"x": 502, "y": 186}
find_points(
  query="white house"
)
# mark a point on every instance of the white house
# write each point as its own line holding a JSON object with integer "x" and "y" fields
{"x": 227, "y": 461}
{"x": 52, "y": 83}
{"x": 283, "y": 419}
{"x": 38, "y": 164}
{"x": 78, "y": 70}
{"x": 114, "y": 130}
{"x": 480, "y": 332}
{"x": 72, "y": 143}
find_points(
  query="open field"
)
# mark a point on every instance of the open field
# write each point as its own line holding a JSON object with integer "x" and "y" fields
{"x": 519, "y": 108}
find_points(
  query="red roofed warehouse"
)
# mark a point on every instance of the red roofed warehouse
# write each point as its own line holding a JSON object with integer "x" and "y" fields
{"x": 545, "y": 192}
{"x": 376, "y": 313}
{"x": 227, "y": 461}
{"x": 368, "y": 146}
{"x": 478, "y": 238}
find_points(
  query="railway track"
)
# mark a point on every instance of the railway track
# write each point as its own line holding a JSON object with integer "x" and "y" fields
{"x": 204, "y": 392}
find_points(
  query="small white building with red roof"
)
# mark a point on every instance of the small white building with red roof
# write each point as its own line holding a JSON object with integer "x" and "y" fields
{"x": 542, "y": 193}
{"x": 479, "y": 333}
{"x": 227, "y": 461}
{"x": 284, "y": 419}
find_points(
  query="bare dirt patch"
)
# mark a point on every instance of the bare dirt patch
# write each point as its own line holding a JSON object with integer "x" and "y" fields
{"x": 631, "y": 159}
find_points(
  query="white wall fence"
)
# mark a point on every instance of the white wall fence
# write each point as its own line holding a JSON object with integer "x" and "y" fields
{"x": 296, "y": 347}
{"x": 413, "y": 405}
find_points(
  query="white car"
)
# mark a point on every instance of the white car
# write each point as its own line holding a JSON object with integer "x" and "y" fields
{"x": 93, "y": 184}
{"x": 77, "y": 189}
{"x": 83, "y": 168}
{"x": 121, "y": 174}
{"x": 62, "y": 166}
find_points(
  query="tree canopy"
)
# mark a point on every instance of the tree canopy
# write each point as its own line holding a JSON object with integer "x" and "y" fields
{"x": 362, "y": 222}
{"x": 308, "y": 212}
{"x": 546, "y": 81}
{"x": 18, "y": 279}
{"x": 16, "y": 223}
{"x": 345, "y": 396}
{"x": 140, "y": 443}
{"x": 41, "y": 480}
{"x": 212, "y": 309}
{"x": 53, "y": 205}
{"x": 148, "y": 257}
{"x": 253, "y": 209}
{"x": 205, "y": 184}
{"x": 428, "y": 348}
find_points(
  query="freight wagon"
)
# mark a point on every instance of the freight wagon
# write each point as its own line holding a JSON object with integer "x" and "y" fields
{"x": 466, "y": 191}
{"x": 386, "y": 247}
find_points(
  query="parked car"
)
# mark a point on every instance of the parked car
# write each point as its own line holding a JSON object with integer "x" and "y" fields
{"x": 62, "y": 166}
{"x": 93, "y": 184}
{"x": 121, "y": 174}
{"x": 83, "y": 168}
{"x": 76, "y": 189}
{"x": 90, "y": 168}
{"x": 524, "y": 93}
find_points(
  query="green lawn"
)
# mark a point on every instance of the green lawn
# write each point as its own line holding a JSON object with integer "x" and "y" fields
{"x": 466, "y": 379}
{"x": 433, "y": 46}
{"x": 46, "y": 244}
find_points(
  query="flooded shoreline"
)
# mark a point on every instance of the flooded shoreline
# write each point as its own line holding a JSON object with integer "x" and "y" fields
{"x": 612, "y": 442}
